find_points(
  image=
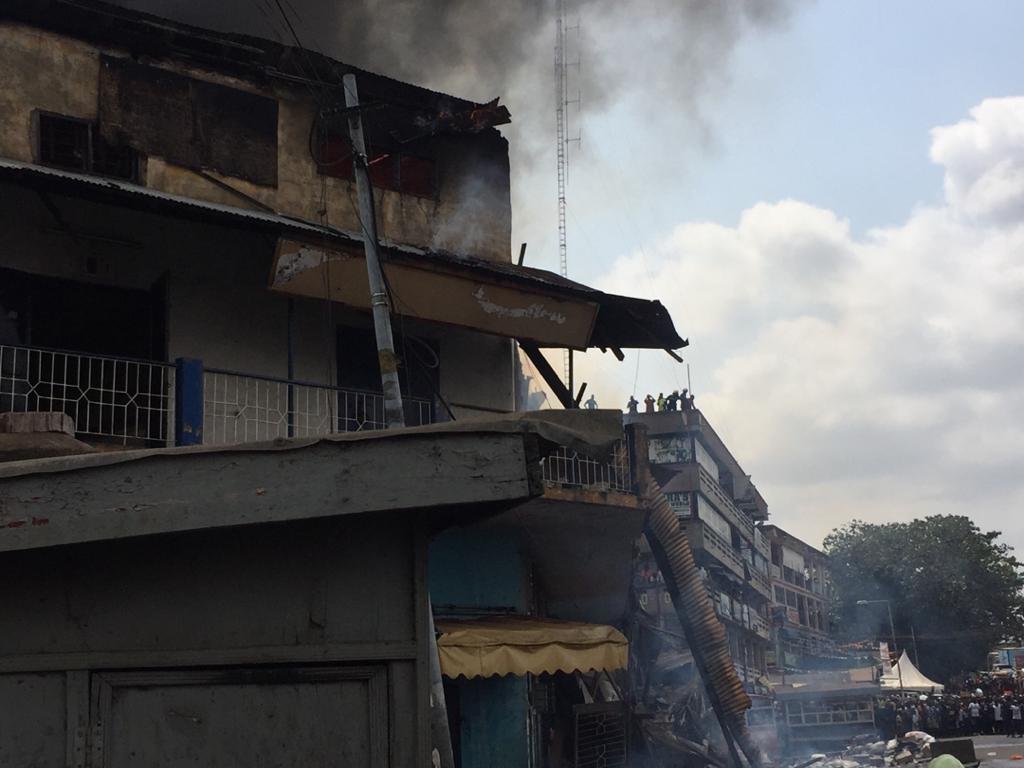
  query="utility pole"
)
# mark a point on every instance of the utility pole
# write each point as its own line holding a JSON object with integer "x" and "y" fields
{"x": 394, "y": 411}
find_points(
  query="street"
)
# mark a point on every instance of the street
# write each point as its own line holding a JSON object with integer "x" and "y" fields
{"x": 996, "y": 751}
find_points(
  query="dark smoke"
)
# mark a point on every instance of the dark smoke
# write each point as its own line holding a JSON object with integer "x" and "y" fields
{"x": 673, "y": 52}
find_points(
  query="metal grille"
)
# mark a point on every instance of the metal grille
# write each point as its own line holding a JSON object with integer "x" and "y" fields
{"x": 241, "y": 409}
{"x": 601, "y": 735}
{"x": 573, "y": 470}
{"x": 124, "y": 400}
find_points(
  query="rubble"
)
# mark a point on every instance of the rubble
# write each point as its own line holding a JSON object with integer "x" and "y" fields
{"x": 913, "y": 747}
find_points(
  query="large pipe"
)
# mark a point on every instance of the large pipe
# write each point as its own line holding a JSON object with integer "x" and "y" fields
{"x": 702, "y": 628}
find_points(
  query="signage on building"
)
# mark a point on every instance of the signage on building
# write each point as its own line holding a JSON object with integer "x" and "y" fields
{"x": 670, "y": 450}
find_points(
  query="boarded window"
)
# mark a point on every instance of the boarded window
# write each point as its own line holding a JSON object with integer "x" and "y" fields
{"x": 64, "y": 142}
{"x": 75, "y": 144}
{"x": 189, "y": 122}
{"x": 394, "y": 170}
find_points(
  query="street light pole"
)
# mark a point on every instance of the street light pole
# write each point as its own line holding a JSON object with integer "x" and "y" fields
{"x": 892, "y": 631}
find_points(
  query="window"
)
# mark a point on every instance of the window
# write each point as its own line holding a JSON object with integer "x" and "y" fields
{"x": 75, "y": 144}
{"x": 780, "y": 596}
{"x": 190, "y": 122}
{"x": 397, "y": 171}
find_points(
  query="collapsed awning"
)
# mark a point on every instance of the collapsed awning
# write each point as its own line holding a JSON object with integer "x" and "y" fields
{"x": 533, "y": 305}
{"x": 501, "y": 298}
{"x": 520, "y": 645}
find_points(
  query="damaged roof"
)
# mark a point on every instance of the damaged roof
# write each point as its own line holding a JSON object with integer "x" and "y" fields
{"x": 258, "y": 58}
{"x": 252, "y": 57}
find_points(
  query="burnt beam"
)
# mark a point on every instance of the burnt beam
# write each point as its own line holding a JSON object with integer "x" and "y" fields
{"x": 548, "y": 374}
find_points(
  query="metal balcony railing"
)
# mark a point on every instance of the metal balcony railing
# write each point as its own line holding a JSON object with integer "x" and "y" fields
{"x": 116, "y": 399}
{"x": 112, "y": 398}
{"x": 569, "y": 469}
{"x": 242, "y": 408}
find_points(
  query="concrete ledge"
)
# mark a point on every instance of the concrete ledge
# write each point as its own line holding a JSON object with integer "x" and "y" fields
{"x": 35, "y": 422}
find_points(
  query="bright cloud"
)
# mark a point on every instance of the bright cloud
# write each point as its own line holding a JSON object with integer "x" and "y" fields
{"x": 879, "y": 377}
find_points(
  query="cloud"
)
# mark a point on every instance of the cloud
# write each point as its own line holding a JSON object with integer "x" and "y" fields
{"x": 879, "y": 377}
{"x": 984, "y": 160}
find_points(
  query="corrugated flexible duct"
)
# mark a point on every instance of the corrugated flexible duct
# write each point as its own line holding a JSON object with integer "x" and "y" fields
{"x": 703, "y": 630}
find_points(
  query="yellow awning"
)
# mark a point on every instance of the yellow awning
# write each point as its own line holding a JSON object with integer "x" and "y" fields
{"x": 517, "y": 645}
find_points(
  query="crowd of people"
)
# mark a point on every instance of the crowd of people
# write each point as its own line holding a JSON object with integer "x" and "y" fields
{"x": 946, "y": 715}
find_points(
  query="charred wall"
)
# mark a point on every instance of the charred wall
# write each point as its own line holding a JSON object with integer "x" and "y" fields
{"x": 184, "y": 118}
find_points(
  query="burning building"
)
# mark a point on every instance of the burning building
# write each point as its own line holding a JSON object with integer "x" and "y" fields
{"x": 216, "y": 522}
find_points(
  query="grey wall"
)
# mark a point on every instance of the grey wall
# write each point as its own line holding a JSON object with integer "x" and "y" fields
{"x": 339, "y": 594}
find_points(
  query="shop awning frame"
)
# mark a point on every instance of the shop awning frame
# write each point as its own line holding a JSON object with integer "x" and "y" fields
{"x": 521, "y": 645}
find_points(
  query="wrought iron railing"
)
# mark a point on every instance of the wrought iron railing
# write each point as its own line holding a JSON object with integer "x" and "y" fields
{"x": 132, "y": 402}
{"x": 112, "y": 398}
{"x": 242, "y": 408}
{"x": 570, "y": 469}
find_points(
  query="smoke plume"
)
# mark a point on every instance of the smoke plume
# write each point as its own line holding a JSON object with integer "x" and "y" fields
{"x": 673, "y": 52}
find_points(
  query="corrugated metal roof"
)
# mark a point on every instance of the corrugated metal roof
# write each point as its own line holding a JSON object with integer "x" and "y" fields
{"x": 19, "y": 171}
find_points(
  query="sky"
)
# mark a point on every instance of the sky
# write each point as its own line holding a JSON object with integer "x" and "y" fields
{"x": 828, "y": 197}
{"x": 845, "y": 255}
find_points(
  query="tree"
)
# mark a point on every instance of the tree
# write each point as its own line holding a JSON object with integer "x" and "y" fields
{"x": 950, "y": 584}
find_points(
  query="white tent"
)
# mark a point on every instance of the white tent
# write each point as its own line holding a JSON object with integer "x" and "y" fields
{"x": 911, "y": 676}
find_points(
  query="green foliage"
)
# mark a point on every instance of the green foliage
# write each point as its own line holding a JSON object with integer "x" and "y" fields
{"x": 955, "y": 585}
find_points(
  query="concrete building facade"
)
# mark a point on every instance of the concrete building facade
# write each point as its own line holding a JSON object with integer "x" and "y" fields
{"x": 720, "y": 509}
{"x": 801, "y": 601}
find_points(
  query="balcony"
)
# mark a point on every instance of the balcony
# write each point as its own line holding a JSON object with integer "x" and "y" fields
{"x": 716, "y": 546}
{"x": 134, "y": 402}
{"x": 760, "y": 625}
{"x": 720, "y": 499}
{"x": 240, "y": 408}
{"x": 761, "y": 583}
{"x": 567, "y": 469}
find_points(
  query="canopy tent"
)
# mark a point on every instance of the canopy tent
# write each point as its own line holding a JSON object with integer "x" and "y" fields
{"x": 904, "y": 674}
{"x": 517, "y": 645}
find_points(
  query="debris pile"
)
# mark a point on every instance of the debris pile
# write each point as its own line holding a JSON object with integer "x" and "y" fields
{"x": 864, "y": 752}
